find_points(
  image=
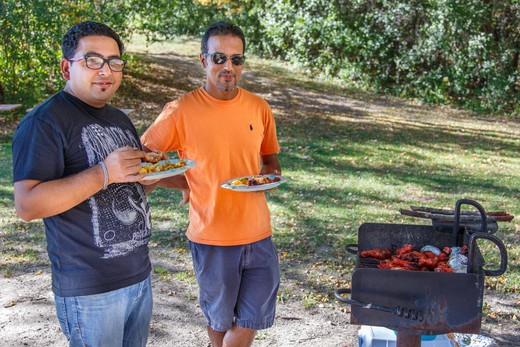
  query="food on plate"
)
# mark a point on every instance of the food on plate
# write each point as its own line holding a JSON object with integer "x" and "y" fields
{"x": 405, "y": 258}
{"x": 254, "y": 181}
{"x": 153, "y": 156}
{"x": 161, "y": 166}
{"x": 240, "y": 182}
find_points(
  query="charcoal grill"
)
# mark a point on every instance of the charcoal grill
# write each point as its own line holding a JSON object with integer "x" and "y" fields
{"x": 417, "y": 303}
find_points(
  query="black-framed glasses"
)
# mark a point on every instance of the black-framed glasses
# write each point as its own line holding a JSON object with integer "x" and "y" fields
{"x": 221, "y": 58}
{"x": 94, "y": 62}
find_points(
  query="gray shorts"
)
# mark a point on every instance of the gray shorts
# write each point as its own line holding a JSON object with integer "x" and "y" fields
{"x": 238, "y": 284}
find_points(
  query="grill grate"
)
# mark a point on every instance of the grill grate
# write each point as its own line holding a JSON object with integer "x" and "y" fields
{"x": 368, "y": 263}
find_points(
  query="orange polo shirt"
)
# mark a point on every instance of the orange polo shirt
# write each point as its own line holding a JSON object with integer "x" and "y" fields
{"x": 226, "y": 139}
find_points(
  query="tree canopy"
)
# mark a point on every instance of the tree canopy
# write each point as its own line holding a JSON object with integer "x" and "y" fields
{"x": 457, "y": 52}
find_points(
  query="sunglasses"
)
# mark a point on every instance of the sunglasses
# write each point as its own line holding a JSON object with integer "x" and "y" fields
{"x": 221, "y": 58}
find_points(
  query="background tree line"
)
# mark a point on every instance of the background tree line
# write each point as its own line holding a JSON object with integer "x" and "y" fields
{"x": 457, "y": 52}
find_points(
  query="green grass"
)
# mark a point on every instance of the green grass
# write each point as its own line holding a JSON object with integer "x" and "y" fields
{"x": 22, "y": 245}
{"x": 349, "y": 158}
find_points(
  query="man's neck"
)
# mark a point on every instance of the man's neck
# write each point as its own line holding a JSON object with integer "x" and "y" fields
{"x": 69, "y": 90}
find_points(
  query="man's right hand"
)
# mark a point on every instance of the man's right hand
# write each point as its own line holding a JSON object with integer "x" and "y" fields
{"x": 123, "y": 165}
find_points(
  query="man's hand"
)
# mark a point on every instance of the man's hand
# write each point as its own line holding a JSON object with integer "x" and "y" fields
{"x": 270, "y": 165}
{"x": 123, "y": 165}
{"x": 178, "y": 182}
{"x": 185, "y": 197}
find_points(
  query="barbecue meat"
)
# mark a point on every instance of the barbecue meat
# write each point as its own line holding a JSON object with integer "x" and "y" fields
{"x": 255, "y": 181}
{"x": 405, "y": 258}
{"x": 412, "y": 256}
{"x": 444, "y": 256}
{"x": 430, "y": 263}
{"x": 396, "y": 263}
{"x": 405, "y": 249}
{"x": 153, "y": 156}
{"x": 378, "y": 253}
{"x": 443, "y": 267}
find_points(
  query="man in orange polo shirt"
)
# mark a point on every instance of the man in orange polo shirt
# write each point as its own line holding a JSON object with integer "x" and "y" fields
{"x": 230, "y": 133}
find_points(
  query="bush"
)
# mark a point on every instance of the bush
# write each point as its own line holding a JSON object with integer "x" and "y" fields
{"x": 30, "y": 43}
{"x": 461, "y": 52}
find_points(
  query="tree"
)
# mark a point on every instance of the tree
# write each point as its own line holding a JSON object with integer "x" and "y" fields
{"x": 460, "y": 52}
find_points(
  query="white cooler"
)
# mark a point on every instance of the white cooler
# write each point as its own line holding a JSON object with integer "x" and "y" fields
{"x": 371, "y": 336}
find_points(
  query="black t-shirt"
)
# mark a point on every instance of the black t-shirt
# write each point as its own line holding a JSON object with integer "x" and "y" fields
{"x": 101, "y": 244}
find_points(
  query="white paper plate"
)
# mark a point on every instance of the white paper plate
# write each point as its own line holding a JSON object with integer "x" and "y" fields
{"x": 261, "y": 187}
{"x": 169, "y": 173}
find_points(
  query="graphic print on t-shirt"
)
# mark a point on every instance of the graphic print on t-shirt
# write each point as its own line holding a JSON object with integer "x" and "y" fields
{"x": 121, "y": 217}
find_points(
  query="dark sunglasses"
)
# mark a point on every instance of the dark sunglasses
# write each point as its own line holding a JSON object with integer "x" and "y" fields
{"x": 221, "y": 58}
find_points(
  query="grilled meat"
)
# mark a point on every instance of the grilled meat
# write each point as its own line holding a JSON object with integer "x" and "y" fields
{"x": 405, "y": 258}
{"x": 378, "y": 253}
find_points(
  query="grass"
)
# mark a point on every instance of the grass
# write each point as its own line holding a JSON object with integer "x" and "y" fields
{"x": 349, "y": 158}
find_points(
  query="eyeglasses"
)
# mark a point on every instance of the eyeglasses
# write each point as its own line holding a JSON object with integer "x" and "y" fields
{"x": 95, "y": 63}
{"x": 221, "y": 58}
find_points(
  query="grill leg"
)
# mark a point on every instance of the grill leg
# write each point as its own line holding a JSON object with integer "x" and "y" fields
{"x": 407, "y": 340}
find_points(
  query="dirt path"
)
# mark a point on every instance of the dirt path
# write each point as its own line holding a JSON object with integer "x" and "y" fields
{"x": 27, "y": 315}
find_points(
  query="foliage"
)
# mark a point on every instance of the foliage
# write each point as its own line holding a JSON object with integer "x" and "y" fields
{"x": 159, "y": 19}
{"x": 462, "y": 52}
{"x": 30, "y": 42}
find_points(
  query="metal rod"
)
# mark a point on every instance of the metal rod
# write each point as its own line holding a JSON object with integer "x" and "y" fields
{"x": 407, "y": 340}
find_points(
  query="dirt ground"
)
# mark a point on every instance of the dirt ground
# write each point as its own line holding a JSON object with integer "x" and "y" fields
{"x": 27, "y": 315}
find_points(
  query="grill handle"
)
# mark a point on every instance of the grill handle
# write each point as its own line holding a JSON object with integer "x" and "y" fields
{"x": 398, "y": 310}
{"x": 456, "y": 221}
{"x": 352, "y": 248}
{"x": 472, "y": 266}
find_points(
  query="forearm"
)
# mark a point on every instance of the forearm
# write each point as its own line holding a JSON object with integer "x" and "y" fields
{"x": 35, "y": 199}
{"x": 148, "y": 188}
{"x": 174, "y": 182}
{"x": 270, "y": 165}
{"x": 178, "y": 182}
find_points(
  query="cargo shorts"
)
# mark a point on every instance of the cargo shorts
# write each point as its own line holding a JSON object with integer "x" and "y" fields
{"x": 238, "y": 284}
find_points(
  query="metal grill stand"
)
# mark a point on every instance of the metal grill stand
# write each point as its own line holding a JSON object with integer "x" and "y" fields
{"x": 415, "y": 303}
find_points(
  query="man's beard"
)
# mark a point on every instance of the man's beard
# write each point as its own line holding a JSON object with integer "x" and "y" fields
{"x": 226, "y": 86}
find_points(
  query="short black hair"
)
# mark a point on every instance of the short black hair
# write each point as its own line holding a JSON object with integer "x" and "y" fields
{"x": 221, "y": 28}
{"x": 69, "y": 43}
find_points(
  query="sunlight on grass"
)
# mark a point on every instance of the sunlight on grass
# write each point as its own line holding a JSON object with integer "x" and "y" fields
{"x": 186, "y": 276}
{"x": 181, "y": 45}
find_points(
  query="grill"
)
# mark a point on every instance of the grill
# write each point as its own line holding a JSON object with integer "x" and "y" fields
{"x": 415, "y": 303}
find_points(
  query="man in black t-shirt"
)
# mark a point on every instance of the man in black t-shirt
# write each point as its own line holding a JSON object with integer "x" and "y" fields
{"x": 75, "y": 164}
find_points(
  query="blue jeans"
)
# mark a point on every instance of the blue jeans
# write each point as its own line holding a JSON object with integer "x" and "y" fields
{"x": 113, "y": 319}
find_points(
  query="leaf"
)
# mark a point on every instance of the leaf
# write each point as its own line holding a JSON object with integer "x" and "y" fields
{"x": 10, "y": 304}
